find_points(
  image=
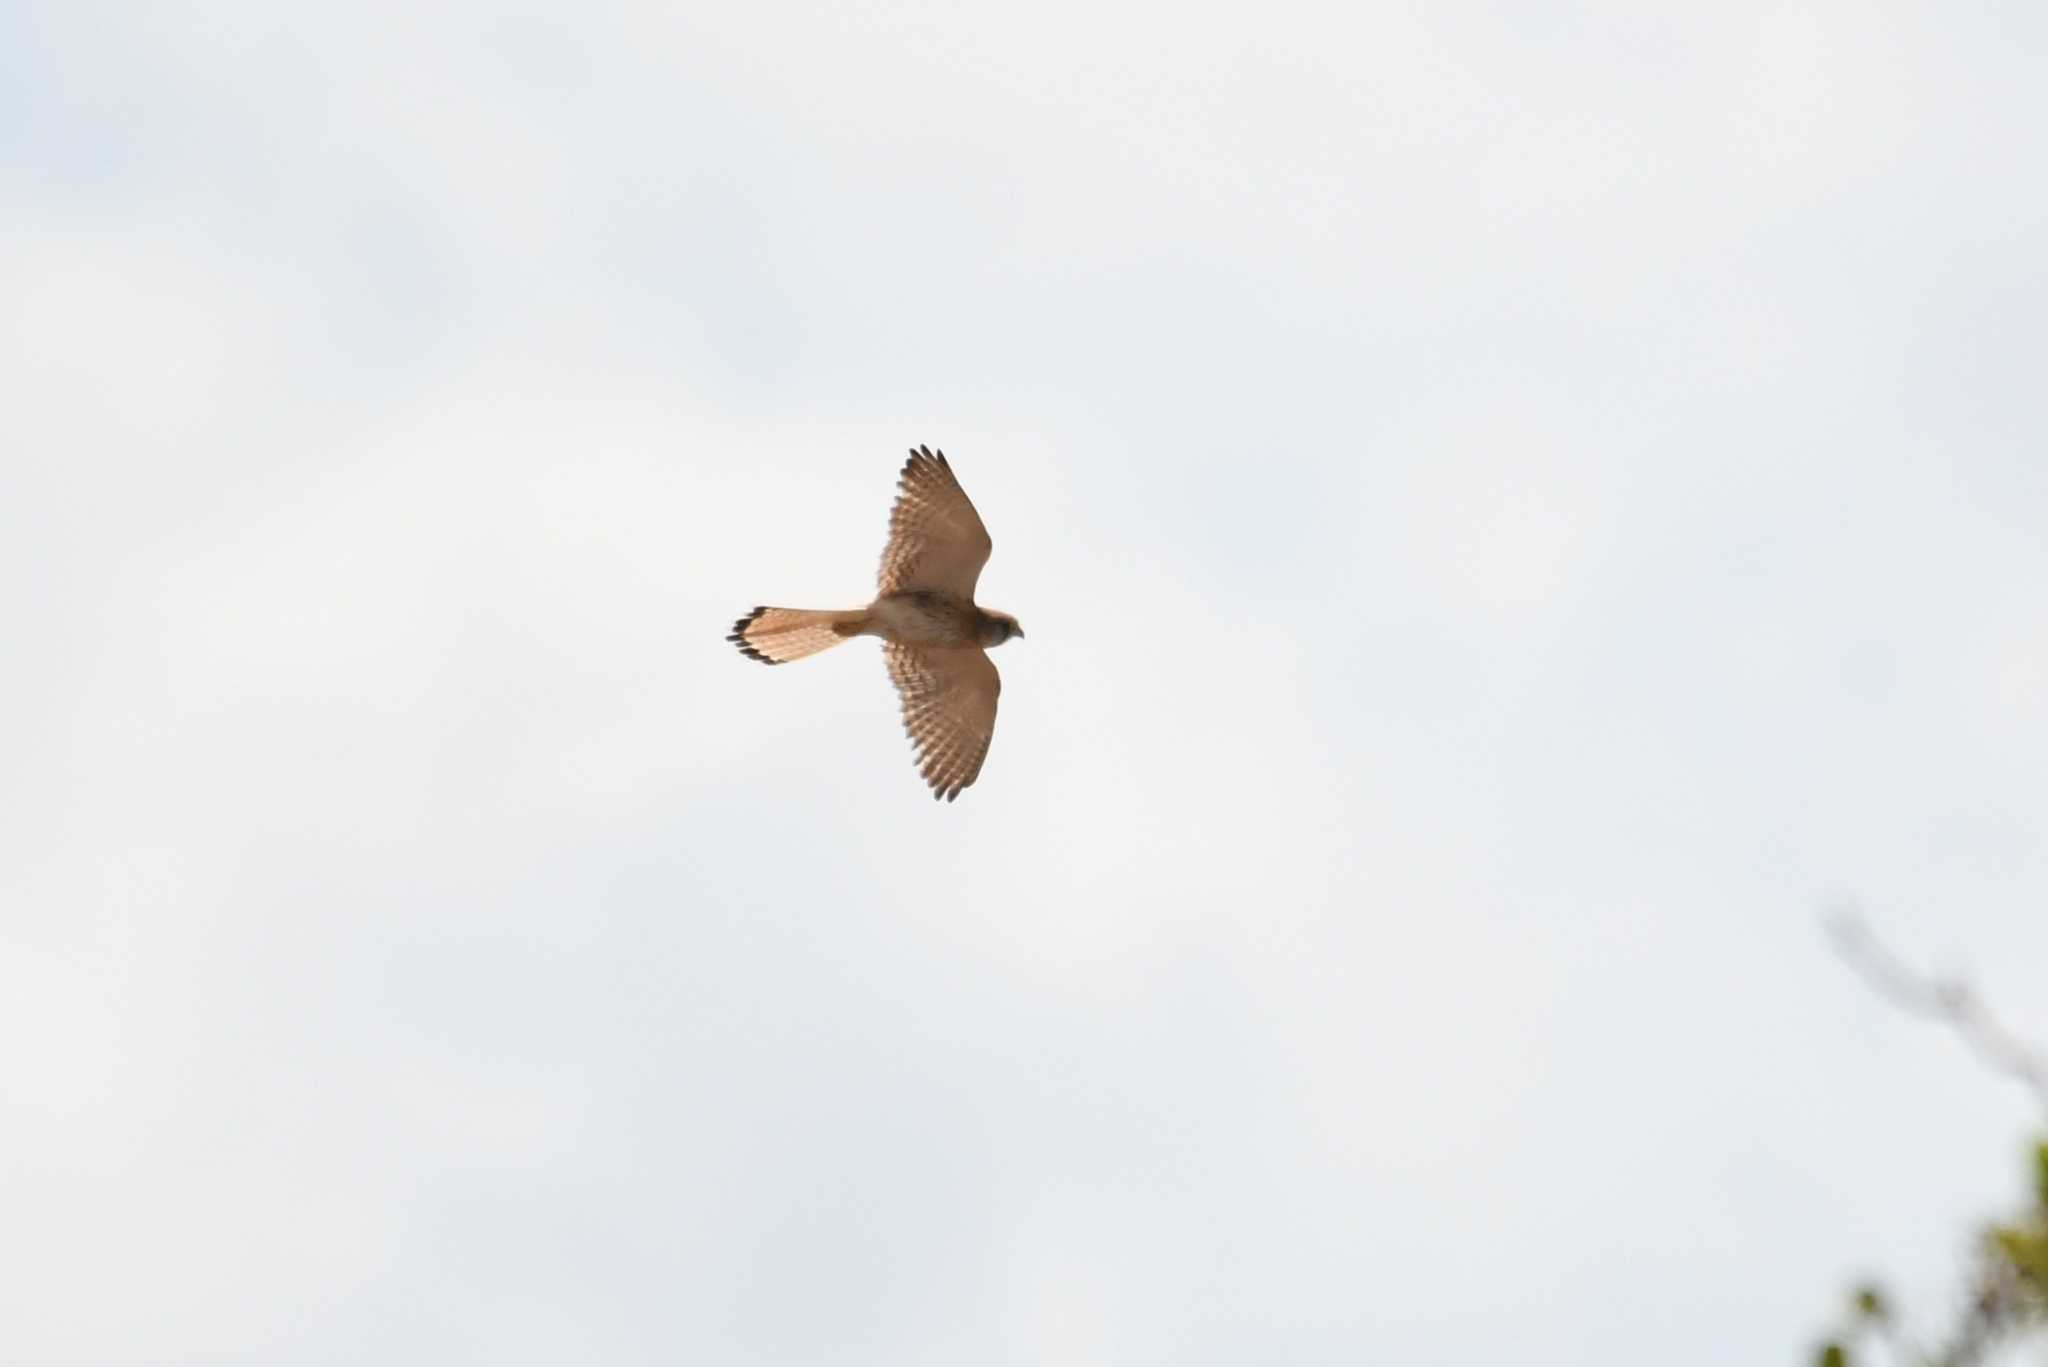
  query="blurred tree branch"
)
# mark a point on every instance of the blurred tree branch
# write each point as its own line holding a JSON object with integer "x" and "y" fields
{"x": 2008, "y": 1293}
{"x": 1948, "y": 1000}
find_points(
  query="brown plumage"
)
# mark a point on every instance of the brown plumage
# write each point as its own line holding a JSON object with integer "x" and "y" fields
{"x": 936, "y": 640}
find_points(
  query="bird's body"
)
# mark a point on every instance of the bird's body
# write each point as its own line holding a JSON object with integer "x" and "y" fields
{"x": 935, "y": 639}
{"x": 925, "y": 617}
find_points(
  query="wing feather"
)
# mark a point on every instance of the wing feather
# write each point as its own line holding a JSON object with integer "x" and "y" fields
{"x": 949, "y": 710}
{"x": 936, "y": 539}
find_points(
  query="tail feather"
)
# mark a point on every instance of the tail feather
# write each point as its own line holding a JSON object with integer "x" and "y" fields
{"x": 776, "y": 636}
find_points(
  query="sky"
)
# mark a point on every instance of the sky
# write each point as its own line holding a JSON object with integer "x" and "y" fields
{"x": 1517, "y": 509}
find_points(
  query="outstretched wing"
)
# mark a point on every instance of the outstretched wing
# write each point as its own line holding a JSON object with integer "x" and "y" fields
{"x": 936, "y": 540}
{"x": 949, "y": 710}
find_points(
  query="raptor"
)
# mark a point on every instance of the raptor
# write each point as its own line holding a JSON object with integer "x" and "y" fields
{"x": 935, "y": 639}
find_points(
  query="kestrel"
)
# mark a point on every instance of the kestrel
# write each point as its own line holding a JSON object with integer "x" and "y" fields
{"x": 934, "y": 639}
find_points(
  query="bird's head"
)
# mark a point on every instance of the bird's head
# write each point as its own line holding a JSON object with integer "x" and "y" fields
{"x": 998, "y": 627}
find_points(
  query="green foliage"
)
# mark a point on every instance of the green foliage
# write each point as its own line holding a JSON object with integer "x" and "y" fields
{"x": 2020, "y": 1250}
{"x": 2008, "y": 1292}
{"x": 2008, "y": 1288}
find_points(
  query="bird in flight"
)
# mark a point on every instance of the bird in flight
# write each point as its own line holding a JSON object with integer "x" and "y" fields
{"x": 935, "y": 641}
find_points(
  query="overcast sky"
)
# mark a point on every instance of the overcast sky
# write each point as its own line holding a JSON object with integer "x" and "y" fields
{"x": 1516, "y": 508}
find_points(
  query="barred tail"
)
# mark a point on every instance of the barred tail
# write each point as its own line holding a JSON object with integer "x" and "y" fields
{"x": 775, "y": 636}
